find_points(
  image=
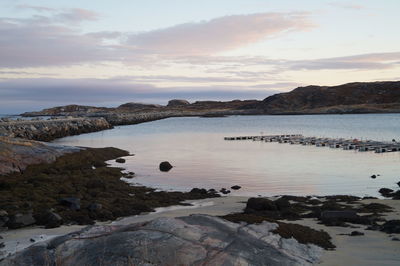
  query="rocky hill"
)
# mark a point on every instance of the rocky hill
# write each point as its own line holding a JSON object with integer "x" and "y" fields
{"x": 358, "y": 97}
{"x": 67, "y": 110}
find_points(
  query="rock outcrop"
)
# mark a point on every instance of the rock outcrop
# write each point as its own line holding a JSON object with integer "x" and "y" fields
{"x": 191, "y": 240}
{"x": 134, "y": 105}
{"x": 177, "y": 102}
{"x": 46, "y": 130}
{"x": 358, "y": 97}
{"x": 67, "y": 110}
{"x": 17, "y": 154}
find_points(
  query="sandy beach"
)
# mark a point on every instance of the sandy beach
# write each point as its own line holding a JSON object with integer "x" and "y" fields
{"x": 373, "y": 248}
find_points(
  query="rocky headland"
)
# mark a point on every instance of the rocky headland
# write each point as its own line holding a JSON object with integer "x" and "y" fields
{"x": 350, "y": 98}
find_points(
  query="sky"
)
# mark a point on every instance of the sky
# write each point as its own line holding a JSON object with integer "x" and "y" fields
{"x": 105, "y": 53}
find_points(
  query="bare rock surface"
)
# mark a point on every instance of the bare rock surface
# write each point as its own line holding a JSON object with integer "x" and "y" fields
{"x": 189, "y": 240}
{"x": 177, "y": 102}
{"x": 16, "y": 154}
{"x": 46, "y": 130}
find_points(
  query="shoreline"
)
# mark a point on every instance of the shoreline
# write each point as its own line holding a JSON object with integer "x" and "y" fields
{"x": 19, "y": 239}
{"x": 370, "y": 249}
{"x": 72, "y": 125}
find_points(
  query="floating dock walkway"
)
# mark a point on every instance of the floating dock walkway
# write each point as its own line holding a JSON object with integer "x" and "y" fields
{"x": 345, "y": 144}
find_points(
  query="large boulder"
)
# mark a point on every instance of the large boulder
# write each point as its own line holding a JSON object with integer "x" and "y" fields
{"x": 261, "y": 204}
{"x": 191, "y": 240}
{"x": 177, "y": 102}
{"x": 21, "y": 220}
{"x": 165, "y": 166}
{"x": 49, "y": 219}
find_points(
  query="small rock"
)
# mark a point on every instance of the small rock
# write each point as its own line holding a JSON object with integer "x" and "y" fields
{"x": 32, "y": 240}
{"x": 53, "y": 220}
{"x": 120, "y": 160}
{"x": 391, "y": 227}
{"x": 199, "y": 191}
{"x": 72, "y": 203}
{"x": 369, "y": 197}
{"x": 395, "y": 239}
{"x": 130, "y": 175}
{"x": 261, "y": 204}
{"x": 236, "y": 187}
{"x": 396, "y": 195}
{"x": 373, "y": 176}
{"x": 224, "y": 191}
{"x": 356, "y": 233}
{"x": 398, "y": 183}
{"x": 165, "y": 166}
{"x": 2, "y": 245}
{"x": 338, "y": 215}
{"x": 386, "y": 192}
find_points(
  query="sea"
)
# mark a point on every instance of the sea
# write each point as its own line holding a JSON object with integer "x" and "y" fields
{"x": 201, "y": 157}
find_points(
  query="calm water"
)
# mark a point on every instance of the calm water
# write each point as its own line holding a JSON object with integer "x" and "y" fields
{"x": 195, "y": 146}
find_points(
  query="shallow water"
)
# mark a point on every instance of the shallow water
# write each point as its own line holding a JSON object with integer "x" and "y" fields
{"x": 201, "y": 157}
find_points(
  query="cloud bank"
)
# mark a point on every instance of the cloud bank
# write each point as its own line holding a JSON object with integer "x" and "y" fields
{"x": 54, "y": 40}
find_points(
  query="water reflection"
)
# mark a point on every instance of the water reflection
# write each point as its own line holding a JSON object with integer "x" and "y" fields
{"x": 201, "y": 157}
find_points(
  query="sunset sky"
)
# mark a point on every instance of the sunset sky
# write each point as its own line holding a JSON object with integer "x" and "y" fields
{"x": 105, "y": 53}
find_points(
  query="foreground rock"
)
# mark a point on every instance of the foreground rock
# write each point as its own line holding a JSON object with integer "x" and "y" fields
{"x": 190, "y": 240}
{"x": 17, "y": 154}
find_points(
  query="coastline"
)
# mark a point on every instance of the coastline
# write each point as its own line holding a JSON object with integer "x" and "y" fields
{"x": 370, "y": 249}
{"x": 346, "y": 246}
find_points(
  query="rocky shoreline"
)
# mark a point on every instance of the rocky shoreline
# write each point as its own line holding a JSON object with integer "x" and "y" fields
{"x": 78, "y": 188}
{"x": 47, "y": 130}
{"x": 186, "y": 232}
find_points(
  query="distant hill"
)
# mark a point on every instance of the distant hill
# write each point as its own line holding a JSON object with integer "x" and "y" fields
{"x": 67, "y": 110}
{"x": 358, "y": 97}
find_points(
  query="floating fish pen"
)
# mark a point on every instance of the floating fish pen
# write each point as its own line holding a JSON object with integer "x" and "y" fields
{"x": 345, "y": 144}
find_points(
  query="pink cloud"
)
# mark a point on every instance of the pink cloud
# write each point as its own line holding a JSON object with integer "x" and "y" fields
{"x": 218, "y": 35}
